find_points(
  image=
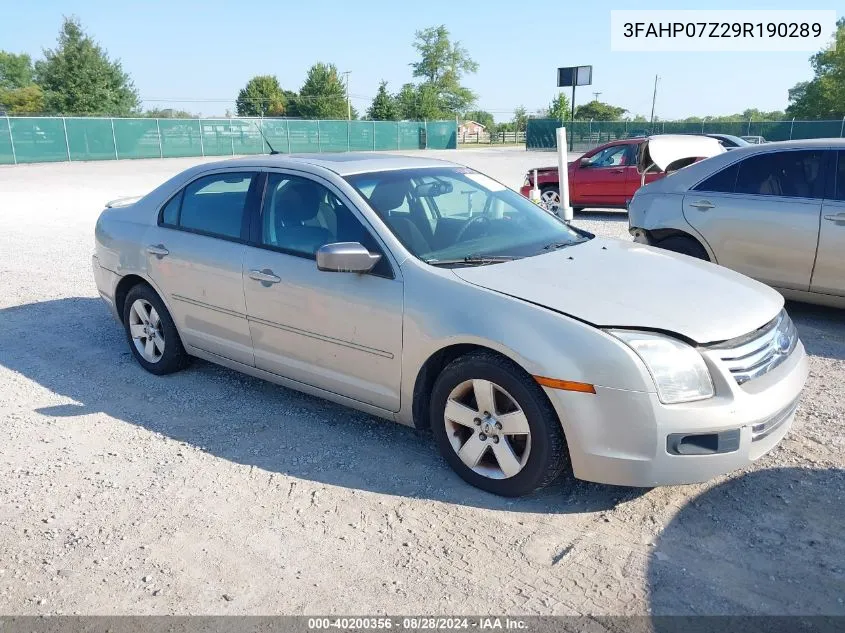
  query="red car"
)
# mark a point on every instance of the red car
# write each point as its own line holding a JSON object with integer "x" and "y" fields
{"x": 605, "y": 177}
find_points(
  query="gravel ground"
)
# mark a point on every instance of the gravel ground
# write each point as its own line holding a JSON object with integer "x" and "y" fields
{"x": 209, "y": 492}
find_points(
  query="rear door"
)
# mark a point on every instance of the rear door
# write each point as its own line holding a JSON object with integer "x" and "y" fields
{"x": 195, "y": 256}
{"x": 761, "y": 215}
{"x": 829, "y": 274}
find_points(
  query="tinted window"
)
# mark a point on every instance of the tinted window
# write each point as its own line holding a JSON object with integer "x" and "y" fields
{"x": 170, "y": 212}
{"x": 300, "y": 216}
{"x": 215, "y": 204}
{"x": 722, "y": 181}
{"x": 840, "y": 178}
{"x": 796, "y": 174}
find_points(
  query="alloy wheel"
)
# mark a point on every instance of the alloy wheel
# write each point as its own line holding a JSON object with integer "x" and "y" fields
{"x": 146, "y": 330}
{"x": 487, "y": 429}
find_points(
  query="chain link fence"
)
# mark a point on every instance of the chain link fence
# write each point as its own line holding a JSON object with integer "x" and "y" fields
{"x": 589, "y": 134}
{"x": 50, "y": 139}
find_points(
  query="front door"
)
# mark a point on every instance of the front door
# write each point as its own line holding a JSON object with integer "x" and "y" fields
{"x": 195, "y": 256}
{"x": 601, "y": 179}
{"x": 829, "y": 274}
{"x": 341, "y": 332}
{"x": 761, "y": 215}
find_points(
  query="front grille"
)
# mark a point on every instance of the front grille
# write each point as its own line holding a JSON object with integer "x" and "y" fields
{"x": 756, "y": 354}
{"x": 767, "y": 427}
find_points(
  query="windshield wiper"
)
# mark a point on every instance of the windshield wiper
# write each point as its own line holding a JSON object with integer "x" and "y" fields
{"x": 472, "y": 260}
{"x": 556, "y": 245}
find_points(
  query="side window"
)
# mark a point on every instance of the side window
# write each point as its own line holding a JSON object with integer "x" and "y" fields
{"x": 840, "y": 177}
{"x": 215, "y": 204}
{"x": 720, "y": 182}
{"x": 301, "y": 215}
{"x": 609, "y": 157}
{"x": 792, "y": 174}
{"x": 170, "y": 212}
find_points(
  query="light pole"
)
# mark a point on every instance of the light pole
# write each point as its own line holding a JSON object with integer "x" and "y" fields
{"x": 596, "y": 96}
{"x": 653, "y": 100}
{"x": 348, "y": 104}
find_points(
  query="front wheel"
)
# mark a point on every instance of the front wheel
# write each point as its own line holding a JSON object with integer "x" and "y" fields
{"x": 494, "y": 425}
{"x": 684, "y": 245}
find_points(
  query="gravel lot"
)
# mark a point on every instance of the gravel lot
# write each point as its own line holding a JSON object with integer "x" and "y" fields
{"x": 209, "y": 492}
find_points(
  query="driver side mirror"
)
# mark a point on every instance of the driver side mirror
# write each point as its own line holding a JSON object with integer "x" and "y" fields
{"x": 585, "y": 162}
{"x": 346, "y": 257}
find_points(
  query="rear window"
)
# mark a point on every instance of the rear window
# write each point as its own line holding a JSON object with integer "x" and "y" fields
{"x": 722, "y": 181}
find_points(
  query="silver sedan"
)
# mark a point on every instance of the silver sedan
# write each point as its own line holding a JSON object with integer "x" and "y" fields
{"x": 775, "y": 212}
{"x": 427, "y": 293}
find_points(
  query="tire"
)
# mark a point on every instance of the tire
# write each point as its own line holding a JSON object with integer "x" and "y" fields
{"x": 550, "y": 195}
{"x": 529, "y": 460}
{"x": 684, "y": 245}
{"x": 162, "y": 353}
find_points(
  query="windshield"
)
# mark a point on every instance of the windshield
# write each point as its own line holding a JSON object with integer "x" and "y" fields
{"x": 452, "y": 215}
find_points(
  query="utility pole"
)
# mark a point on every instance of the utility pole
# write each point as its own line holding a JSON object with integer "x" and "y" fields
{"x": 653, "y": 100}
{"x": 348, "y": 104}
{"x": 596, "y": 95}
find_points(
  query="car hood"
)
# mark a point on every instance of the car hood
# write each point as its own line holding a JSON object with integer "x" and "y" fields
{"x": 665, "y": 149}
{"x": 611, "y": 283}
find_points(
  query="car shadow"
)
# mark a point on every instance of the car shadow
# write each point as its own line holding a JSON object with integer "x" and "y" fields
{"x": 74, "y": 348}
{"x": 605, "y": 215}
{"x": 766, "y": 543}
{"x": 822, "y": 329}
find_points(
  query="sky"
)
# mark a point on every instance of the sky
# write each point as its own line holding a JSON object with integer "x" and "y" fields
{"x": 197, "y": 55}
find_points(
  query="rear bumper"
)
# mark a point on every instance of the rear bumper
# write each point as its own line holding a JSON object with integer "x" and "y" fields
{"x": 630, "y": 438}
{"x": 525, "y": 191}
{"x": 106, "y": 281}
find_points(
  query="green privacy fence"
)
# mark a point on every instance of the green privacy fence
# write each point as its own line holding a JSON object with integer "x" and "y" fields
{"x": 540, "y": 133}
{"x": 48, "y": 139}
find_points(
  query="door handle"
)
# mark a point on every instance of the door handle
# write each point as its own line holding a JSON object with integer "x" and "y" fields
{"x": 618, "y": 171}
{"x": 702, "y": 205}
{"x": 836, "y": 217}
{"x": 265, "y": 276}
{"x": 158, "y": 250}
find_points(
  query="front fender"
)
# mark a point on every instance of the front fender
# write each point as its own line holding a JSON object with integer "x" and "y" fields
{"x": 541, "y": 341}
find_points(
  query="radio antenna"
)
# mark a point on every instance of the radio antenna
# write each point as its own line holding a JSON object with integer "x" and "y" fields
{"x": 261, "y": 132}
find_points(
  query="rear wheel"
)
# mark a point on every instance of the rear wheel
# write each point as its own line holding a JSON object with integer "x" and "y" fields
{"x": 495, "y": 426}
{"x": 684, "y": 245}
{"x": 151, "y": 333}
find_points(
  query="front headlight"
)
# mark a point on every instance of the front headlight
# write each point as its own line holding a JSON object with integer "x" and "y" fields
{"x": 678, "y": 369}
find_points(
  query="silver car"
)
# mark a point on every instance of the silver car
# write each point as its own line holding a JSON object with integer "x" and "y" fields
{"x": 774, "y": 212}
{"x": 427, "y": 293}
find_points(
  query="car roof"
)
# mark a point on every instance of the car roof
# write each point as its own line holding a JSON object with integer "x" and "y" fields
{"x": 341, "y": 163}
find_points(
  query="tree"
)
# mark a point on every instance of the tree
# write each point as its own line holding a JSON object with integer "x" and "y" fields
{"x": 520, "y": 119}
{"x": 168, "y": 113}
{"x": 823, "y": 97}
{"x": 483, "y": 117}
{"x": 15, "y": 70}
{"x": 26, "y": 100}
{"x": 559, "y": 108}
{"x": 598, "y": 111}
{"x": 79, "y": 78}
{"x": 291, "y": 103}
{"x": 322, "y": 96}
{"x": 442, "y": 64}
{"x": 384, "y": 106}
{"x": 407, "y": 101}
{"x": 262, "y": 96}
